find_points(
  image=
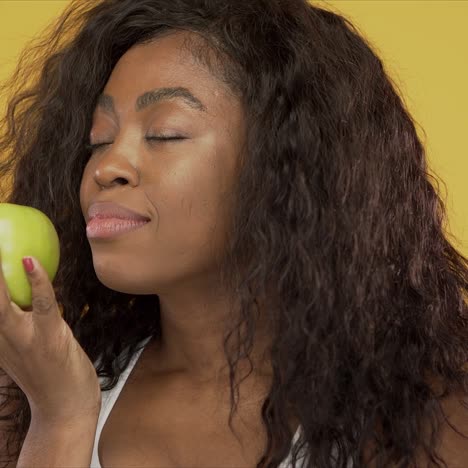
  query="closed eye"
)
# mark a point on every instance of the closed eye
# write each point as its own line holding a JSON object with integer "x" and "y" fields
{"x": 166, "y": 138}
{"x": 94, "y": 147}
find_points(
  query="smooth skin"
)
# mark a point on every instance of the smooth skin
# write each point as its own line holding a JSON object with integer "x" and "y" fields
{"x": 182, "y": 185}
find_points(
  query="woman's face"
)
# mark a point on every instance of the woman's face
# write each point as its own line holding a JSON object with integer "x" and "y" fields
{"x": 183, "y": 186}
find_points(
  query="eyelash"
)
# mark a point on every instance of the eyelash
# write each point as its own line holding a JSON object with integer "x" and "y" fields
{"x": 94, "y": 147}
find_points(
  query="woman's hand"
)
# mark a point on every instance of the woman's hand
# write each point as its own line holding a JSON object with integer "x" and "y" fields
{"x": 39, "y": 352}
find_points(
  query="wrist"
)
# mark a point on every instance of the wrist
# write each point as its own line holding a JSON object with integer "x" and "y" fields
{"x": 59, "y": 443}
{"x": 52, "y": 418}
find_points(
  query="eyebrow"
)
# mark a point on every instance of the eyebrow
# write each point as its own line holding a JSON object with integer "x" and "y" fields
{"x": 106, "y": 102}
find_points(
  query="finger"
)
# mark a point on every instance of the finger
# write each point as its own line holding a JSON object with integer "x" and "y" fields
{"x": 44, "y": 303}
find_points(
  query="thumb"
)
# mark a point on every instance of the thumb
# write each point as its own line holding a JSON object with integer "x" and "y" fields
{"x": 43, "y": 295}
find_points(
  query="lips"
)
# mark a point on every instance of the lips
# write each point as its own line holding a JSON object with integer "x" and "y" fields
{"x": 103, "y": 210}
{"x": 108, "y": 228}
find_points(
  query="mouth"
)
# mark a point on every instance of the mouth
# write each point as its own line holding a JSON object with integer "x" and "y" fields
{"x": 107, "y": 228}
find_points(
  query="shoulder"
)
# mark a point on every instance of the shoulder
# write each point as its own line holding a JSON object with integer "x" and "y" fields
{"x": 453, "y": 447}
{"x": 451, "y": 444}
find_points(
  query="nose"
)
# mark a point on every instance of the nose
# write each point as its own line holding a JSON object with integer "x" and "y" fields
{"x": 113, "y": 170}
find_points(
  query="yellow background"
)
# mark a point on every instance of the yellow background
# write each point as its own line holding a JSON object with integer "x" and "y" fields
{"x": 424, "y": 45}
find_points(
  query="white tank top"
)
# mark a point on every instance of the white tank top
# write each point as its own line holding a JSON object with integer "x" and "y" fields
{"x": 110, "y": 397}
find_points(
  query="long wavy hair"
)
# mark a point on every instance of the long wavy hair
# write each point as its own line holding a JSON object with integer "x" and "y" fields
{"x": 336, "y": 220}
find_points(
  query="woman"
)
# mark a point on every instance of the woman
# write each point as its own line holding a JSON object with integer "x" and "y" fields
{"x": 279, "y": 290}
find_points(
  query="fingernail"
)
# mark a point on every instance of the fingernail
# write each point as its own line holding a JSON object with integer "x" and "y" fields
{"x": 28, "y": 264}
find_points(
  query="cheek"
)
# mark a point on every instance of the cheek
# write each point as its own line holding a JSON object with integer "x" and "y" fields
{"x": 192, "y": 208}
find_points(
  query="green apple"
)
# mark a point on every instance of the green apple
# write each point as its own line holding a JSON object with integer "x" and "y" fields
{"x": 26, "y": 231}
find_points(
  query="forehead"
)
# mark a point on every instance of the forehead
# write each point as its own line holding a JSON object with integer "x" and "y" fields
{"x": 166, "y": 62}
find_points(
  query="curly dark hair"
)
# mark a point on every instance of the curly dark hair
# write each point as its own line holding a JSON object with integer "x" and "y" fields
{"x": 369, "y": 308}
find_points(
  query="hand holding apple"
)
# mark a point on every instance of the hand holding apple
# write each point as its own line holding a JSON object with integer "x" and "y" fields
{"x": 39, "y": 352}
{"x": 26, "y": 231}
